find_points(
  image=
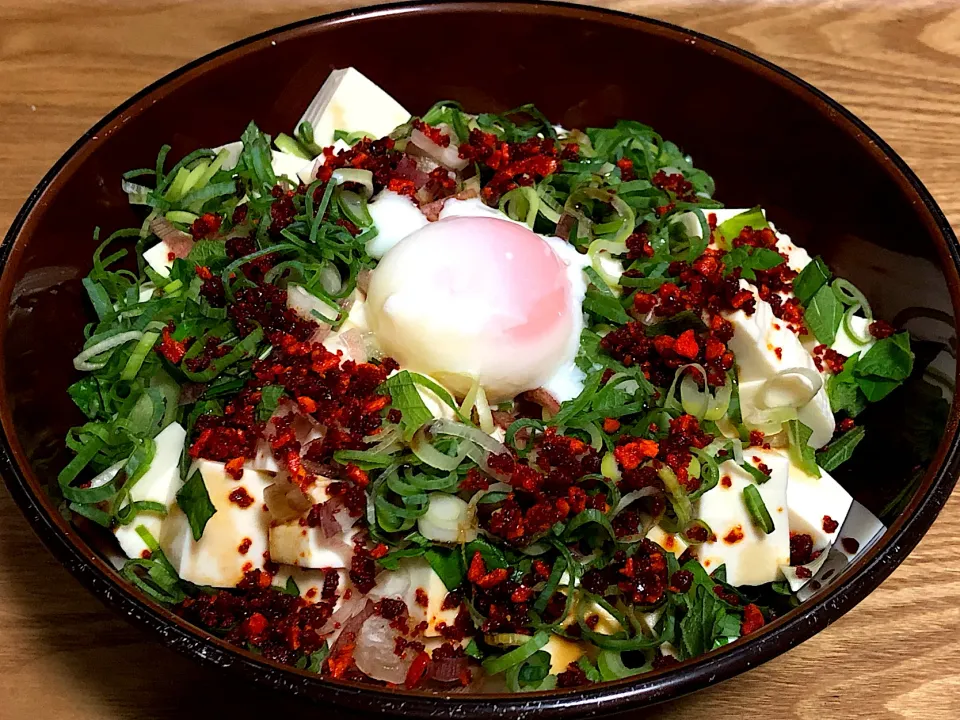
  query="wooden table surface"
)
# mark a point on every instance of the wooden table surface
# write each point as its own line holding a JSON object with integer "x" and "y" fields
{"x": 65, "y": 64}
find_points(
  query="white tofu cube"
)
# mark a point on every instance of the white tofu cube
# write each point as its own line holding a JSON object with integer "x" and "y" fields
{"x": 349, "y": 101}
{"x": 859, "y": 531}
{"x": 815, "y": 504}
{"x": 563, "y": 652}
{"x": 310, "y": 582}
{"x": 797, "y": 257}
{"x": 296, "y": 543}
{"x": 751, "y": 557}
{"x": 223, "y": 554}
{"x": 160, "y": 257}
{"x": 309, "y": 173}
{"x": 160, "y": 483}
{"x": 415, "y": 582}
{"x": 671, "y": 542}
{"x": 764, "y": 346}
{"x": 289, "y": 165}
{"x": 233, "y": 154}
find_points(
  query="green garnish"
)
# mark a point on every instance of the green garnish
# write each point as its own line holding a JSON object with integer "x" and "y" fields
{"x": 757, "y": 509}
{"x": 194, "y": 500}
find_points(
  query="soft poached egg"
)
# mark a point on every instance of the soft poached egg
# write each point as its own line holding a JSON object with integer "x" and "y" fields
{"x": 476, "y": 296}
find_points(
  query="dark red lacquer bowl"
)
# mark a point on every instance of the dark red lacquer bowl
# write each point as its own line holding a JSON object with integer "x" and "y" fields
{"x": 766, "y": 137}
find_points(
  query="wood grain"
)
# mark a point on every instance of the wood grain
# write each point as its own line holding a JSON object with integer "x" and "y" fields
{"x": 64, "y": 64}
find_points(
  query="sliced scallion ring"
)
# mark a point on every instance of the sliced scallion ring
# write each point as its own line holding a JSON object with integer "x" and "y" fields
{"x": 852, "y": 333}
{"x": 695, "y": 523}
{"x": 81, "y": 361}
{"x": 355, "y": 175}
{"x": 609, "y": 467}
{"x": 521, "y": 204}
{"x": 427, "y": 453}
{"x": 354, "y": 206}
{"x": 848, "y": 294}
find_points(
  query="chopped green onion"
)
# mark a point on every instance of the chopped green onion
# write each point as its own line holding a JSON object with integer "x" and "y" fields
{"x": 757, "y": 509}
{"x": 181, "y": 216}
{"x": 363, "y": 178}
{"x": 522, "y": 204}
{"x": 495, "y": 665}
{"x": 287, "y": 144}
{"x": 138, "y": 355}
{"x": 848, "y": 294}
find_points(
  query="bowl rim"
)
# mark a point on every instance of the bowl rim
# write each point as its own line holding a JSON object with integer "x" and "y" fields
{"x": 859, "y": 579}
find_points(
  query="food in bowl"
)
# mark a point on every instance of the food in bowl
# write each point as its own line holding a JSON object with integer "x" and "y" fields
{"x": 468, "y": 400}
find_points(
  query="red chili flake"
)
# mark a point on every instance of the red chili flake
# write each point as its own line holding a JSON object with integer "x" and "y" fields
{"x": 541, "y": 568}
{"x": 643, "y": 302}
{"x": 521, "y": 595}
{"x": 244, "y": 547}
{"x": 881, "y": 329}
{"x": 474, "y": 481}
{"x": 630, "y": 455}
{"x": 477, "y": 568}
{"x": 234, "y": 467}
{"x": 358, "y": 476}
{"x": 394, "y": 415}
{"x": 205, "y": 225}
{"x": 573, "y": 676}
{"x": 829, "y": 524}
{"x": 363, "y": 571}
{"x": 803, "y": 572}
{"x": 682, "y": 580}
{"x": 492, "y": 578}
{"x": 850, "y": 545}
{"x": 611, "y": 425}
{"x": 402, "y": 186}
{"x": 638, "y": 245}
{"x": 421, "y": 598}
{"x": 686, "y": 345}
{"x": 146, "y": 554}
{"x": 626, "y": 169}
{"x": 451, "y": 600}
{"x": 241, "y": 497}
{"x": 435, "y": 134}
{"x": 379, "y": 551}
{"x": 756, "y": 438}
{"x": 254, "y": 626}
{"x": 726, "y": 482}
{"x": 834, "y": 360}
{"x": 846, "y": 424}
{"x": 801, "y": 548}
{"x": 674, "y": 183}
{"x": 307, "y": 404}
{"x": 172, "y": 350}
{"x": 330, "y": 582}
{"x": 734, "y": 536}
{"x": 391, "y": 608}
{"x": 727, "y": 596}
{"x": 752, "y": 619}
{"x": 664, "y": 209}
{"x": 778, "y": 351}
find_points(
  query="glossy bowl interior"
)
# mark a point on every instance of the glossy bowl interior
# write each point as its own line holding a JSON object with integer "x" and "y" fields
{"x": 766, "y": 137}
